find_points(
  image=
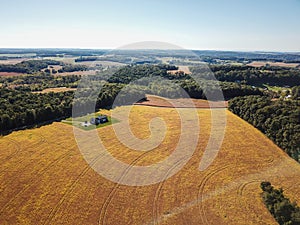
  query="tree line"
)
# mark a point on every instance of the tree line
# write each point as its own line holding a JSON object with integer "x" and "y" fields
{"x": 147, "y": 75}
{"x": 28, "y": 67}
{"x": 275, "y": 76}
{"x": 21, "y": 108}
{"x": 282, "y": 209}
{"x": 39, "y": 82}
{"x": 73, "y": 68}
{"x": 35, "y": 66}
{"x": 279, "y": 119}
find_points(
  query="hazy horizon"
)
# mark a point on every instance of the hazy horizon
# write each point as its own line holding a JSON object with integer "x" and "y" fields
{"x": 111, "y": 49}
{"x": 267, "y": 26}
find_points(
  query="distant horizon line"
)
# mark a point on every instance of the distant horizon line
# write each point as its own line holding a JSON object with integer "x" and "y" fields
{"x": 124, "y": 49}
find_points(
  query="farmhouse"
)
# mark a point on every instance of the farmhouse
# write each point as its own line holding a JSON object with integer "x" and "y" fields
{"x": 99, "y": 120}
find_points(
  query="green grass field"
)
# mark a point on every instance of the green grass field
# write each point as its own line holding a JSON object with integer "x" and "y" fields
{"x": 77, "y": 122}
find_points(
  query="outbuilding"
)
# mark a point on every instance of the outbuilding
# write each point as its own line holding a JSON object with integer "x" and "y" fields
{"x": 99, "y": 120}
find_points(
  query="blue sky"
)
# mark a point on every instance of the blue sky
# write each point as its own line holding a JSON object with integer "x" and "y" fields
{"x": 213, "y": 24}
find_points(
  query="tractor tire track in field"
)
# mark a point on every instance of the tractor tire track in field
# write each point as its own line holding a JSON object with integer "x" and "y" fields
{"x": 69, "y": 191}
{"x": 18, "y": 149}
{"x": 155, "y": 208}
{"x": 297, "y": 184}
{"x": 261, "y": 161}
{"x": 244, "y": 203}
{"x": 203, "y": 182}
{"x": 256, "y": 179}
{"x": 104, "y": 208}
{"x": 269, "y": 160}
{"x": 42, "y": 140}
{"x": 34, "y": 180}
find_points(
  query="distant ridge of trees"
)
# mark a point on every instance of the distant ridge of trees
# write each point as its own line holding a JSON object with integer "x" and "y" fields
{"x": 276, "y": 76}
{"x": 29, "y": 67}
{"x": 87, "y": 59}
{"x": 73, "y": 68}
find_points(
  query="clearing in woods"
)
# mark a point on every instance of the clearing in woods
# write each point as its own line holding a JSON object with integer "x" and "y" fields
{"x": 280, "y": 64}
{"x": 184, "y": 69}
{"x": 10, "y": 74}
{"x": 55, "y": 90}
{"x": 45, "y": 180}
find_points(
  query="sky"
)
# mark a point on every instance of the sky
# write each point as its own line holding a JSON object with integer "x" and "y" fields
{"x": 256, "y": 25}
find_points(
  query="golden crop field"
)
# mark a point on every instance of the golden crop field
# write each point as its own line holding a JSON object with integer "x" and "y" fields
{"x": 44, "y": 178}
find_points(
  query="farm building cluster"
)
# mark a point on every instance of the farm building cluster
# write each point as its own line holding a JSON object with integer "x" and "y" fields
{"x": 96, "y": 121}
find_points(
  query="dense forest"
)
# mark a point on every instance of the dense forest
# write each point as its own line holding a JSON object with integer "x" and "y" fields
{"x": 87, "y": 59}
{"x": 281, "y": 208}
{"x": 20, "y": 108}
{"x": 275, "y": 76}
{"x": 248, "y": 56}
{"x": 146, "y": 75}
{"x": 29, "y": 67}
{"x": 278, "y": 119}
{"x": 39, "y": 82}
{"x": 35, "y": 66}
{"x": 131, "y": 73}
{"x": 73, "y": 68}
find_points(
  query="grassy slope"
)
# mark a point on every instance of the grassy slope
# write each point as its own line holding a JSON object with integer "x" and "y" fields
{"x": 77, "y": 122}
{"x": 45, "y": 180}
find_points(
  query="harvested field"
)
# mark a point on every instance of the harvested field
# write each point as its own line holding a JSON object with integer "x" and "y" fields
{"x": 157, "y": 101}
{"x": 184, "y": 69}
{"x": 14, "y": 61}
{"x": 66, "y": 59}
{"x": 45, "y": 180}
{"x": 10, "y": 74}
{"x": 103, "y": 63}
{"x": 83, "y": 73}
{"x": 280, "y": 64}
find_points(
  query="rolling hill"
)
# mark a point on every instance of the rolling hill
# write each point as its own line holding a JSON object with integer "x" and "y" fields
{"x": 44, "y": 178}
